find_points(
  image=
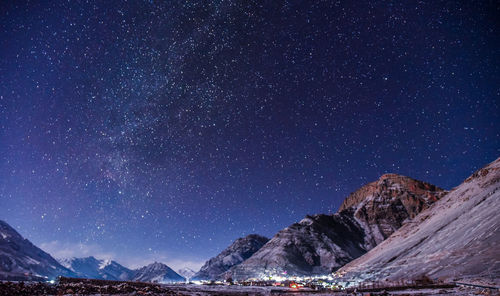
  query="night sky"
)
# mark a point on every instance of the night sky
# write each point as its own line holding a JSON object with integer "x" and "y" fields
{"x": 146, "y": 130}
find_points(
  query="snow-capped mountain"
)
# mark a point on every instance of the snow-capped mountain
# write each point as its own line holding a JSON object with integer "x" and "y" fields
{"x": 21, "y": 260}
{"x": 90, "y": 267}
{"x": 157, "y": 272}
{"x": 457, "y": 238}
{"x": 186, "y": 272}
{"x": 237, "y": 252}
{"x": 320, "y": 244}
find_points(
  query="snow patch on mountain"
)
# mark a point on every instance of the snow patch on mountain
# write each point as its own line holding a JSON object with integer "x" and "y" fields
{"x": 90, "y": 267}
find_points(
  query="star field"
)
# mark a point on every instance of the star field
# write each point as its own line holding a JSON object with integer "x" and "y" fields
{"x": 150, "y": 128}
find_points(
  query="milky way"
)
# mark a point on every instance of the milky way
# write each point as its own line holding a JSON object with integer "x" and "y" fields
{"x": 153, "y": 129}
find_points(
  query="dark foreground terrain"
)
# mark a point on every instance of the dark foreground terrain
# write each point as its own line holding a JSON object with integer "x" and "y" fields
{"x": 100, "y": 287}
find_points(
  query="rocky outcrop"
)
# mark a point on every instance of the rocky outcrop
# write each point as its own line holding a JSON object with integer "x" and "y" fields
{"x": 237, "y": 252}
{"x": 389, "y": 184}
{"x": 382, "y": 206}
{"x": 456, "y": 239}
{"x": 321, "y": 244}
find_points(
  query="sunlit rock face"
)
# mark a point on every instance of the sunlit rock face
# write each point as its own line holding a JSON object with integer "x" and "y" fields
{"x": 237, "y": 252}
{"x": 320, "y": 244}
{"x": 382, "y": 206}
{"x": 455, "y": 239}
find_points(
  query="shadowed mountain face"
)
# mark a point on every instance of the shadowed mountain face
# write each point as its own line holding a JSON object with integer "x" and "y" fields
{"x": 21, "y": 260}
{"x": 237, "y": 252}
{"x": 456, "y": 239}
{"x": 320, "y": 244}
{"x": 157, "y": 272}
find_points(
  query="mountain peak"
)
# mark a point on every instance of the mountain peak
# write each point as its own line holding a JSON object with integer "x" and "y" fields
{"x": 251, "y": 237}
{"x": 240, "y": 250}
{"x": 452, "y": 240}
{"x": 391, "y": 176}
{"x": 91, "y": 267}
{"x": 156, "y": 265}
{"x": 157, "y": 272}
{"x": 392, "y": 186}
{"x": 7, "y": 231}
{"x": 320, "y": 244}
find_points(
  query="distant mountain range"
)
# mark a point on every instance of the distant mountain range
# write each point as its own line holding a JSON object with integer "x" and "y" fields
{"x": 21, "y": 260}
{"x": 395, "y": 227}
{"x": 90, "y": 267}
{"x": 93, "y": 268}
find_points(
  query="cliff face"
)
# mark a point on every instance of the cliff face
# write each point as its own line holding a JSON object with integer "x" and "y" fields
{"x": 456, "y": 239}
{"x": 389, "y": 185}
{"x": 382, "y": 206}
{"x": 321, "y": 244}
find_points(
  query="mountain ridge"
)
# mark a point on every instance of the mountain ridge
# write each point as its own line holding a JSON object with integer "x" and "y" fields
{"x": 240, "y": 250}
{"x": 157, "y": 272}
{"x": 456, "y": 239}
{"x": 318, "y": 244}
{"x": 22, "y": 260}
{"x": 90, "y": 267}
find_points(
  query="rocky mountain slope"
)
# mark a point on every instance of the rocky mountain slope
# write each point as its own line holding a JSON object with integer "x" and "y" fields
{"x": 237, "y": 252}
{"x": 186, "y": 272}
{"x": 457, "y": 238}
{"x": 157, "y": 272}
{"x": 93, "y": 268}
{"x": 21, "y": 260}
{"x": 320, "y": 244}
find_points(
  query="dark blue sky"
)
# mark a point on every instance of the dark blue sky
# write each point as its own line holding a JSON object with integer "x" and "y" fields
{"x": 149, "y": 130}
